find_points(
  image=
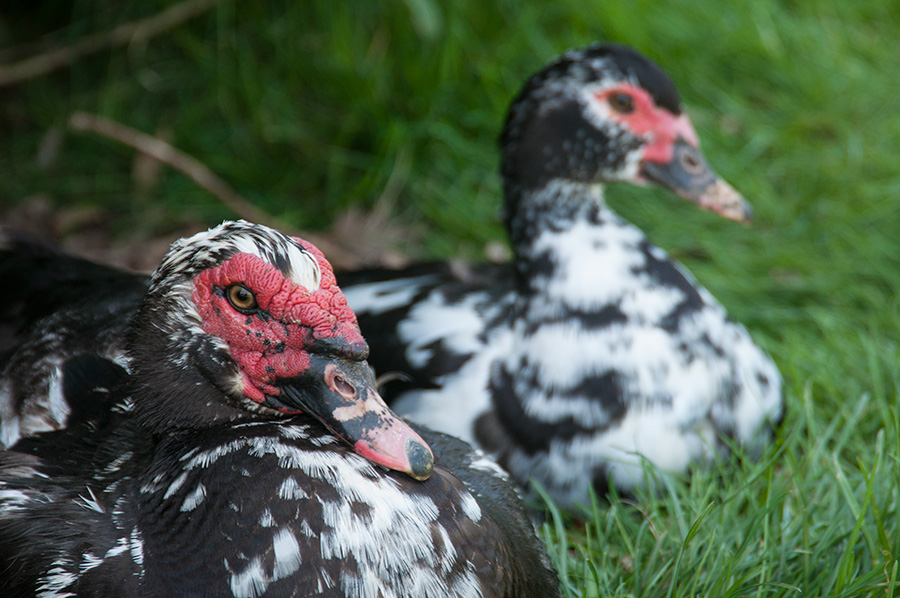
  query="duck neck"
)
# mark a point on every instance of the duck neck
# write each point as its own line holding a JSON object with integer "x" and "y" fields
{"x": 575, "y": 258}
{"x": 178, "y": 374}
{"x": 539, "y": 220}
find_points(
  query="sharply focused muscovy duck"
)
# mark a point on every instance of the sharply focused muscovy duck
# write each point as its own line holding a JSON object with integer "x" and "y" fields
{"x": 593, "y": 350}
{"x": 224, "y": 437}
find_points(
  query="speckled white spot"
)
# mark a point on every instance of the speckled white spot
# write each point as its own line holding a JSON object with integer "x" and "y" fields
{"x": 287, "y": 554}
{"x": 194, "y": 498}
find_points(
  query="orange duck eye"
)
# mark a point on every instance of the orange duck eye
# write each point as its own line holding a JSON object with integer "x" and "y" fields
{"x": 241, "y": 298}
{"x": 621, "y": 102}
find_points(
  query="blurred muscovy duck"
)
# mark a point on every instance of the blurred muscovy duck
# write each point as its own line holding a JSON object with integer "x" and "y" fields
{"x": 63, "y": 307}
{"x": 223, "y": 437}
{"x": 593, "y": 350}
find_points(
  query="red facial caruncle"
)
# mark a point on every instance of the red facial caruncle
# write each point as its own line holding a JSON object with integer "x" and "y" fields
{"x": 271, "y": 323}
{"x": 635, "y": 109}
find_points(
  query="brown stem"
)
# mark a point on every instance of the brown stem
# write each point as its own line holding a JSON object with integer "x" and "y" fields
{"x": 180, "y": 161}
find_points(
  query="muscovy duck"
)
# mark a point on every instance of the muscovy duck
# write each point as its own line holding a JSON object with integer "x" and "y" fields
{"x": 63, "y": 306}
{"x": 240, "y": 449}
{"x": 593, "y": 350}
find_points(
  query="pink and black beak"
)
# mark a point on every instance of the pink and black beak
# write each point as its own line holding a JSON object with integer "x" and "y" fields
{"x": 688, "y": 175}
{"x": 341, "y": 394}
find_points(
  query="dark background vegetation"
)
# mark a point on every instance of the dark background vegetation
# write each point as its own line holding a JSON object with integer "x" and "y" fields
{"x": 374, "y": 124}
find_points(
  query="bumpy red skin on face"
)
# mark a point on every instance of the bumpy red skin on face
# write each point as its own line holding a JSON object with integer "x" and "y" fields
{"x": 663, "y": 127}
{"x": 274, "y": 343}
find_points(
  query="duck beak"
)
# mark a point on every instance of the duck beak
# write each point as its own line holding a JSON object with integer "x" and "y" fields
{"x": 341, "y": 394}
{"x": 689, "y": 176}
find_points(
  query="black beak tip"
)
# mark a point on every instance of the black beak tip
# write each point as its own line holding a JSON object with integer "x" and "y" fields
{"x": 421, "y": 460}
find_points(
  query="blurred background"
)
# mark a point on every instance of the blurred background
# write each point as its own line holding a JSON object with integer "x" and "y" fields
{"x": 372, "y": 127}
{"x": 374, "y": 124}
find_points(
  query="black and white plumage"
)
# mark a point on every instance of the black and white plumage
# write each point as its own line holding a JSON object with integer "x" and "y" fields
{"x": 200, "y": 465}
{"x": 63, "y": 306}
{"x": 593, "y": 350}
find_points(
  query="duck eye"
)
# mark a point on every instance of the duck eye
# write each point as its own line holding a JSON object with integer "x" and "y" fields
{"x": 621, "y": 102}
{"x": 241, "y": 298}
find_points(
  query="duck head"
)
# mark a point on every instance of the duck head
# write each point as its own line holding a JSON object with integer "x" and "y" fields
{"x": 607, "y": 113}
{"x": 243, "y": 322}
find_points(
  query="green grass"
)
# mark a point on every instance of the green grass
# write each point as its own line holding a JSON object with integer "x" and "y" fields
{"x": 309, "y": 108}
